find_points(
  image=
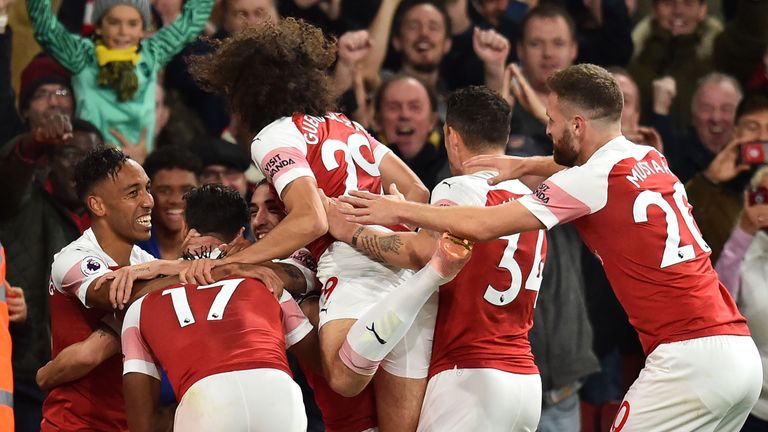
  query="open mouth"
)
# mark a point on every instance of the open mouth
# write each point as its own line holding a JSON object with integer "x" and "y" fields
{"x": 404, "y": 131}
{"x": 423, "y": 46}
{"x": 716, "y": 129}
{"x": 145, "y": 221}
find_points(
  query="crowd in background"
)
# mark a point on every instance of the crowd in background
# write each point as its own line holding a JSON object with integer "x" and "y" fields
{"x": 694, "y": 74}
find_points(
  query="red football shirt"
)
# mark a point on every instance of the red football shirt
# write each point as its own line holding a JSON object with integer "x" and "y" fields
{"x": 94, "y": 402}
{"x": 342, "y": 414}
{"x": 197, "y": 331}
{"x": 633, "y": 213}
{"x": 335, "y": 151}
{"x": 486, "y": 311}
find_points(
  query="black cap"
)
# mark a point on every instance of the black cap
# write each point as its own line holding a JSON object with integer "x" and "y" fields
{"x": 216, "y": 151}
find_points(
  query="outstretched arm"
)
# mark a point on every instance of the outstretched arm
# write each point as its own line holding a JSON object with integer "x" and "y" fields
{"x": 471, "y": 223}
{"x": 72, "y": 51}
{"x": 170, "y": 40}
{"x": 395, "y": 172}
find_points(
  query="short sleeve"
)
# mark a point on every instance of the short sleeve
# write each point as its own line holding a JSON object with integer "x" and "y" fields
{"x": 568, "y": 195}
{"x": 302, "y": 259}
{"x": 74, "y": 270}
{"x": 296, "y": 326}
{"x": 280, "y": 153}
{"x": 137, "y": 357}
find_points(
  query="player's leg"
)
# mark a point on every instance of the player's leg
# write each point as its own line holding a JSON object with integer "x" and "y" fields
{"x": 263, "y": 400}
{"x": 481, "y": 400}
{"x": 402, "y": 380}
{"x": 693, "y": 385}
{"x": 383, "y": 325}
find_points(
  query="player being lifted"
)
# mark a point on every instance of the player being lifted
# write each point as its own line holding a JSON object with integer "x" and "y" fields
{"x": 487, "y": 358}
{"x": 274, "y": 81}
{"x": 632, "y": 212}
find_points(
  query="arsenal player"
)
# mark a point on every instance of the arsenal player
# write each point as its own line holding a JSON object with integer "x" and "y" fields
{"x": 632, "y": 212}
{"x": 286, "y": 117}
{"x": 222, "y": 345}
{"x": 486, "y": 358}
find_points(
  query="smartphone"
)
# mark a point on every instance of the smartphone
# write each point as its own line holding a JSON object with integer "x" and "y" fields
{"x": 754, "y": 153}
{"x": 757, "y": 196}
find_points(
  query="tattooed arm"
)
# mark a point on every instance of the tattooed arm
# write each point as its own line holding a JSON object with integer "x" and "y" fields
{"x": 398, "y": 249}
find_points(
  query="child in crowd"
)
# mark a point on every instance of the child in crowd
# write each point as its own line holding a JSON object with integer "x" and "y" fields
{"x": 115, "y": 73}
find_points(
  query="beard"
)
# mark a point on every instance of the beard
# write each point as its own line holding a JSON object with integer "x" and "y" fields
{"x": 564, "y": 152}
{"x": 425, "y": 67}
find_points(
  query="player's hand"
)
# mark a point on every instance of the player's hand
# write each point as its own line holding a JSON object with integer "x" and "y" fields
{"x": 338, "y": 225}
{"x": 353, "y": 47}
{"x": 491, "y": 47}
{"x": 270, "y": 278}
{"x": 17, "y": 305}
{"x": 136, "y": 151}
{"x": 120, "y": 286}
{"x": 725, "y": 166}
{"x": 235, "y": 246}
{"x": 368, "y": 208}
{"x": 198, "y": 272}
{"x": 507, "y": 167}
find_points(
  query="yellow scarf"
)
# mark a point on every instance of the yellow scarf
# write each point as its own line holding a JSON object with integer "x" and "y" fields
{"x": 105, "y": 55}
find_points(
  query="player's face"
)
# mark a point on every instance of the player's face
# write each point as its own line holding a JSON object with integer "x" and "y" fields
{"x": 242, "y": 14}
{"x": 630, "y": 115}
{"x": 62, "y": 160}
{"x": 168, "y": 189}
{"x": 406, "y": 117}
{"x": 47, "y": 100}
{"x": 266, "y": 211}
{"x": 753, "y": 127}
{"x": 547, "y": 47}
{"x": 423, "y": 39}
{"x": 127, "y": 203}
{"x": 559, "y": 131}
{"x": 714, "y": 113}
{"x": 121, "y": 27}
{"x": 679, "y": 17}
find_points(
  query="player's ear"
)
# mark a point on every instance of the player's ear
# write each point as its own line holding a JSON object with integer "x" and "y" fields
{"x": 96, "y": 205}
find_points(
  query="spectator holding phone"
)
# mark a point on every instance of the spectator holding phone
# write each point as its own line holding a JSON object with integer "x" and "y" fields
{"x": 717, "y": 193}
{"x": 743, "y": 269}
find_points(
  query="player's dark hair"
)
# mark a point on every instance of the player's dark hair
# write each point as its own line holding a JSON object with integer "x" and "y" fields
{"x": 407, "y": 5}
{"x": 270, "y": 72}
{"x": 480, "y": 116}
{"x": 172, "y": 157}
{"x": 752, "y": 103}
{"x": 99, "y": 164}
{"x": 590, "y": 89}
{"x": 217, "y": 210}
{"x": 548, "y": 10}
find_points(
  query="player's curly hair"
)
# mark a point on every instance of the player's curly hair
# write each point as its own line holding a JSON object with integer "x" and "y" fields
{"x": 270, "y": 72}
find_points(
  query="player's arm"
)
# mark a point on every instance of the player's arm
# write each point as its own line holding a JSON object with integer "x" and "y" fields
{"x": 533, "y": 170}
{"x": 467, "y": 222}
{"x": 78, "y": 360}
{"x": 114, "y": 289}
{"x": 395, "y": 171}
{"x": 307, "y": 350}
{"x": 142, "y": 404}
{"x": 304, "y": 223}
{"x": 399, "y": 249}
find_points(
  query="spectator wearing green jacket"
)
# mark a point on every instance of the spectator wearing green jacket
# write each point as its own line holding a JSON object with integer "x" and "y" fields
{"x": 114, "y": 75}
